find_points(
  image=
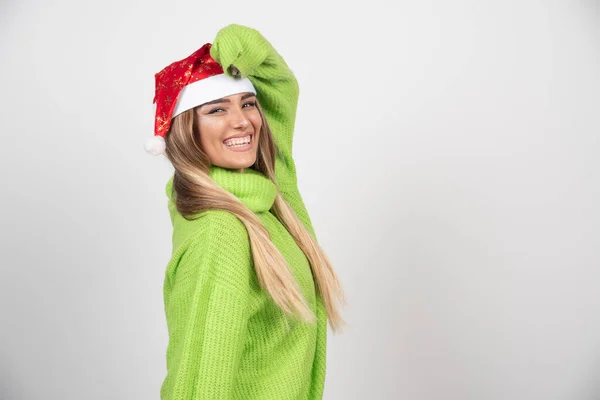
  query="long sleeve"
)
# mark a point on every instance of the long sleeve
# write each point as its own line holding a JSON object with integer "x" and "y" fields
{"x": 206, "y": 296}
{"x": 277, "y": 91}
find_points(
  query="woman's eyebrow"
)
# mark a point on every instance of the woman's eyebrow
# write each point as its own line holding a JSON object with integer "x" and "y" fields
{"x": 217, "y": 101}
{"x": 227, "y": 100}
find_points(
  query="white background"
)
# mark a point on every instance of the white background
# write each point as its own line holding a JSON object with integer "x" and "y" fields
{"x": 448, "y": 154}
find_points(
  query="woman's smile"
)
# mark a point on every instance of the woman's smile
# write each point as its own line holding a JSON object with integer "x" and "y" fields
{"x": 238, "y": 144}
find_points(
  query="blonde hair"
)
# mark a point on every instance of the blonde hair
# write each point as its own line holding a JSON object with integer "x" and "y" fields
{"x": 196, "y": 192}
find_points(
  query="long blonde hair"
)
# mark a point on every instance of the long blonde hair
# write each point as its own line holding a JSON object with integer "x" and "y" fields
{"x": 196, "y": 192}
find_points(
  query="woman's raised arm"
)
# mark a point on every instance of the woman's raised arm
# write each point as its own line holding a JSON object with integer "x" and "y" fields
{"x": 277, "y": 91}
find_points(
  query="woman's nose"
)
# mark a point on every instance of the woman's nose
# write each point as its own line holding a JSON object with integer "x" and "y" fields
{"x": 240, "y": 120}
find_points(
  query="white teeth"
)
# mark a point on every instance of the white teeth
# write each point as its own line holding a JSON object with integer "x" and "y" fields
{"x": 237, "y": 141}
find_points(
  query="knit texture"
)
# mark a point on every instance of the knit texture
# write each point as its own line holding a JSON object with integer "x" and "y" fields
{"x": 227, "y": 337}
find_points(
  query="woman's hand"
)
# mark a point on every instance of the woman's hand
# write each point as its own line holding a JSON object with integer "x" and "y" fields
{"x": 239, "y": 49}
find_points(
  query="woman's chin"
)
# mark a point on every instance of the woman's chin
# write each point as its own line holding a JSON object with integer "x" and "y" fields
{"x": 238, "y": 164}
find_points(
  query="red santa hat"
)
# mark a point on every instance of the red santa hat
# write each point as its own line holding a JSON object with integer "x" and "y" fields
{"x": 186, "y": 84}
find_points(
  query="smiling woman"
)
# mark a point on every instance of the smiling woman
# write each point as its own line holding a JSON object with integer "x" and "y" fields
{"x": 248, "y": 291}
{"x": 229, "y": 129}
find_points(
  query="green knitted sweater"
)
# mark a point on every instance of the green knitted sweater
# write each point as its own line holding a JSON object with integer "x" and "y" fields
{"x": 227, "y": 337}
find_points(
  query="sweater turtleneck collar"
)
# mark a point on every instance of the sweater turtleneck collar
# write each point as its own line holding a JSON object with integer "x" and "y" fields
{"x": 252, "y": 187}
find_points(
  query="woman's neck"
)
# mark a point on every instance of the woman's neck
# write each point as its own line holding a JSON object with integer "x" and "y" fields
{"x": 252, "y": 187}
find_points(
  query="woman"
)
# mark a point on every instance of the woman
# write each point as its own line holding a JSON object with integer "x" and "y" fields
{"x": 248, "y": 291}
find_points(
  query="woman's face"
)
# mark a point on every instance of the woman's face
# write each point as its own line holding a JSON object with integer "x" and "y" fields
{"x": 222, "y": 119}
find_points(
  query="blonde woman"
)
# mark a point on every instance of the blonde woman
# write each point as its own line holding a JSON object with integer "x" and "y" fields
{"x": 248, "y": 290}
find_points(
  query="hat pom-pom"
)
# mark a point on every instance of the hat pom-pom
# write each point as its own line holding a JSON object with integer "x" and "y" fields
{"x": 155, "y": 145}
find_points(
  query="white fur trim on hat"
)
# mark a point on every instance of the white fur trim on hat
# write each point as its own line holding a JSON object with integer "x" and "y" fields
{"x": 208, "y": 89}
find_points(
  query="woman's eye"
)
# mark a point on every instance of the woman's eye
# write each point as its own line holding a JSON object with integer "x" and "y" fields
{"x": 214, "y": 110}
{"x": 251, "y": 103}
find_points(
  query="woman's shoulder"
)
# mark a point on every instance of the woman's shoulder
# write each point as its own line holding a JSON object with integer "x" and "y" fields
{"x": 217, "y": 243}
{"x": 216, "y": 225}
